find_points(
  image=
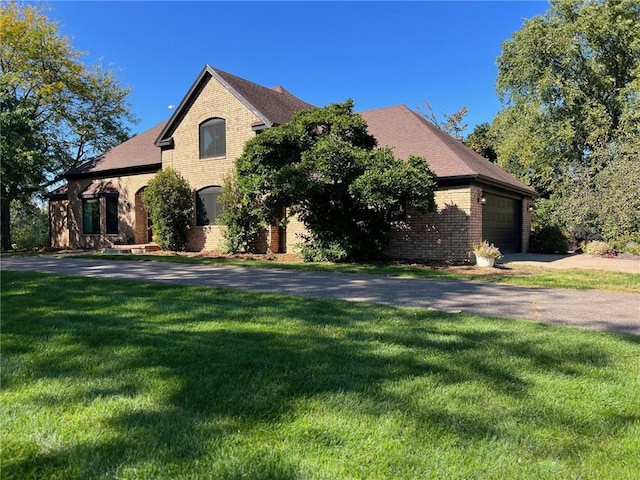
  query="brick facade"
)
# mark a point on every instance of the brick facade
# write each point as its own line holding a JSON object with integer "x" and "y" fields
{"x": 58, "y": 225}
{"x": 214, "y": 101}
{"x": 445, "y": 235}
{"x": 127, "y": 187}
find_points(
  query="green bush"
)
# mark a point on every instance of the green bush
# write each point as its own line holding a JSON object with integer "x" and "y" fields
{"x": 324, "y": 165}
{"x": 596, "y": 247}
{"x": 314, "y": 251}
{"x": 632, "y": 248}
{"x": 169, "y": 201}
{"x": 549, "y": 239}
{"x": 627, "y": 244}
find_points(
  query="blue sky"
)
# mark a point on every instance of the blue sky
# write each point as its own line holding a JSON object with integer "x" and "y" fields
{"x": 378, "y": 53}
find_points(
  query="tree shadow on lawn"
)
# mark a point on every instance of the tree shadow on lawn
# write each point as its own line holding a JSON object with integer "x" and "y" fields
{"x": 214, "y": 363}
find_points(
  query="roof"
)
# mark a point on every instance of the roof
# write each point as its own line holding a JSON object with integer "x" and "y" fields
{"x": 410, "y": 134}
{"x": 136, "y": 155}
{"x": 60, "y": 193}
{"x": 98, "y": 188}
{"x": 273, "y": 106}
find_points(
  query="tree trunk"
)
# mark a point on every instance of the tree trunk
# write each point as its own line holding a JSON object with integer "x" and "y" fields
{"x": 5, "y": 224}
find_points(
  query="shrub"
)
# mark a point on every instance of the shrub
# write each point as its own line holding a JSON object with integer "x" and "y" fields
{"x": 627, "y": 244}
{"x": 632, "y": 248}
{"x": 314, "y": 251}
{"x": 241, "y": 215}
{"x": 596, "y": 247}
{"x": 487, "y": 250}
{"x": 580, "y": 235}
{"x": 169, "y": 201}
{"x": 549, "y": 239}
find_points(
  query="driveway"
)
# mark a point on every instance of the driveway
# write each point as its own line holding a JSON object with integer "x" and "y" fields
{"x": 587, "y": 309}
{"x": 581, "y": 261}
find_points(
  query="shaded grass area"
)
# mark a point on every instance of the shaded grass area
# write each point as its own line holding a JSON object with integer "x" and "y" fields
{"x": 117, "y": 379}
{"x": 522, "y": 275}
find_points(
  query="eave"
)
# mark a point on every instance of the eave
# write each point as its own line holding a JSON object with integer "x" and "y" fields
{"x": 116, "y": 172}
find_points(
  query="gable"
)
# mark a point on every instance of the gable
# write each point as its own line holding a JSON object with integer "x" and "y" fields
{"x": 270, "y": 106}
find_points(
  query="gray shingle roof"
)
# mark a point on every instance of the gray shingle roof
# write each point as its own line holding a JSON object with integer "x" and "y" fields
{"x": 137, "y": 153}
{"x": 410, "y": 134}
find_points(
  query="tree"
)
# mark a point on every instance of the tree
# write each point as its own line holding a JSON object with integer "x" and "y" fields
{"x": 452, "y": 123}
{"x": 168, "y": 199}
{"x": 324, "y": 166}
{"x": 55, "y": 112}
{"x": 481, "y": 141}
{"x": 569, "y": 81}
{"x": 29, "y": 225}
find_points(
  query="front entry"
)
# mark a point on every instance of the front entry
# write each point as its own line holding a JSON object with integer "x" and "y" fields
{"x": 144, "y": 232}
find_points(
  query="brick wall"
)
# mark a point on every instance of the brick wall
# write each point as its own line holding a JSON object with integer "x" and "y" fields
{"x": 127, "y": 187}
{"x": 445, "y": 235}
{"x": 214, "y": 100}
{"x": 295, "y": 231}
{"x": 58, "y": 225}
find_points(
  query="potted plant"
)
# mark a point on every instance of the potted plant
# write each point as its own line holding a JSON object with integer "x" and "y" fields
{"x": 486, "y": 254}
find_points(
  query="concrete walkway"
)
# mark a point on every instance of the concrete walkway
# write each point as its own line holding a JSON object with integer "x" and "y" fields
{"x": 581, "y": 261}
{"x": 587, "y": 309}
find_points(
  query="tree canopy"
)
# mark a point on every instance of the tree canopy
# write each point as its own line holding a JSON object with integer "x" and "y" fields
{"x": 569, "y": 81}
{"x": 55, "y": 112}
{"x": 324, "y": 167}
{"x": 481, "y": 141}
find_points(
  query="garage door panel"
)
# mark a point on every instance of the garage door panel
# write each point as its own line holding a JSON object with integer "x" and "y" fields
{"x": 501, "y": 224}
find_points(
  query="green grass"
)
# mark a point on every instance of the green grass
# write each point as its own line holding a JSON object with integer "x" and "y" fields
{"x": 510, "y": 275}
{"x": 115, "y": 379}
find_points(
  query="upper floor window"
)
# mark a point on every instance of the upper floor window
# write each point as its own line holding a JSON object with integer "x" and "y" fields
{"x": 208, "y": 206}
{"x": 213, "y": 138}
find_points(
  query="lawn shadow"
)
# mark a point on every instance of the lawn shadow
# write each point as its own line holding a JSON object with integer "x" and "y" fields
{"x": 213, "y": 362}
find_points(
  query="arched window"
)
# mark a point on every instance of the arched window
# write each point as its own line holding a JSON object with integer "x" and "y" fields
{"x": 207, "y": 206}
{"x": 213, "y": 138}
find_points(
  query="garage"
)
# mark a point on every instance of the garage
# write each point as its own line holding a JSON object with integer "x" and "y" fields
{"x": 501, "y": 222}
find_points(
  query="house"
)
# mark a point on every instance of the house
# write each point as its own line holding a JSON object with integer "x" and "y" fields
{"x": 476, "y": 199}
{"x": 100, "y": 205}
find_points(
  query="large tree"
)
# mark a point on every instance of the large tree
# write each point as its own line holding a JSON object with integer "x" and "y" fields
{"x": 569, "y": 81}
{"x": 324, "y": 165}
{"x": 55, "y": 112}
{"x": 481, "y": 141}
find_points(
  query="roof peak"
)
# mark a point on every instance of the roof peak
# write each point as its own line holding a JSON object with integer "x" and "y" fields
{"x": 272, "y": 106}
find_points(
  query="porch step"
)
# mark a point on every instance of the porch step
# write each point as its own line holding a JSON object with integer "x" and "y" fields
{"x": 115, "y": 251}
{"x": 142, "y": 249}
{"x": 133, "y": 249}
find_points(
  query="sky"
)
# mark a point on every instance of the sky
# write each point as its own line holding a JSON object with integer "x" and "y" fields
{"x": 377, "y": 53}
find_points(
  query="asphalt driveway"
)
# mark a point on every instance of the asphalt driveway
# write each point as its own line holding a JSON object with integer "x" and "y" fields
{"x": 588, "y": 309}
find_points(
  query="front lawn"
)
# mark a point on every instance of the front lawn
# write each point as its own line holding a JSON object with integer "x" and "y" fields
{"x": 116, "y": 379}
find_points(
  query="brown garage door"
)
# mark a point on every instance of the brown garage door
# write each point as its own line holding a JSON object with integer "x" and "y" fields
{"x": 501, "y": 223}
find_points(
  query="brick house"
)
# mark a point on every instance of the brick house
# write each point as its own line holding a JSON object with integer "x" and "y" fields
{"x": 100, "y": 204}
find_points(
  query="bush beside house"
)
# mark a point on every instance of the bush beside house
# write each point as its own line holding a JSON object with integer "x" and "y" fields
{"x": 168, "y": 200}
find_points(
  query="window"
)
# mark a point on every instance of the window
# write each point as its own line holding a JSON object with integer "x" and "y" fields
{"x": 207, "y": 206}
{"x": 91, "y": 216}
{"x": 112, "y": 215}
{"x": 213, "y": 138}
